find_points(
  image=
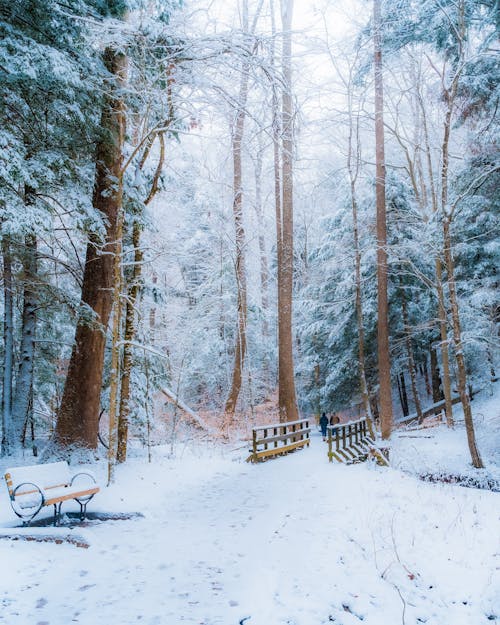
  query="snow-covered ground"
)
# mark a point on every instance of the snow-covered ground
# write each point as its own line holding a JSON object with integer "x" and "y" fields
{"x": 294, "y": 541}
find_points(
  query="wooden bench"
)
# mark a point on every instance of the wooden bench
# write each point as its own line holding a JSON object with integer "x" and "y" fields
{"x": 350, "y": 442}
{"x": 32, "y": 488}
{"x": 278, "y": 439}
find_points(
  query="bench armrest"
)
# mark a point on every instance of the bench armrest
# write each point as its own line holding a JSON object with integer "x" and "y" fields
{"x": 87, "y": 473}
{"x": 34, "y": 502}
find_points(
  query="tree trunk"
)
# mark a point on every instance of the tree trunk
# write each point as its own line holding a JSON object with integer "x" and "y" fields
{"x": 132, "y": 295}
{"x": 276, "y": 133}
{"x": 443, "y": 321}
{"x": 114, "y": 381}
{"x": 241, "y": 279}
{"x": 459, "y": 350}
{"x": 264, "y": 270}
{"x": 129, "y": 334}
{"x": 24, "y": 380}
{"x": 384, "y": 359}
{"x": 286, "y": 394}
{"x": 428, "y": 388}
{"x": 404, "y": 395}
{"x": 445, "y": 358}
{"x": 8, "y": 442}
{"x": 78, "y": 418}
{"x": 353, "y": 153}
{"x": 411, "y": 359}
{"x": 437, "y": 392}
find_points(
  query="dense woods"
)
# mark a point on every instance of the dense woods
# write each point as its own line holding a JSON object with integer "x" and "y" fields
{"x": 232, "y": 209}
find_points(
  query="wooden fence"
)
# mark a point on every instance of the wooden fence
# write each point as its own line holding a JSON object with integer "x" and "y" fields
{"x": 277, "y": 439}
{"x": 349, "y": 442}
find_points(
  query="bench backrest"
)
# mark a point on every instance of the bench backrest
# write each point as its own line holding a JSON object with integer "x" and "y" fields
{"x": 46, "y": 476}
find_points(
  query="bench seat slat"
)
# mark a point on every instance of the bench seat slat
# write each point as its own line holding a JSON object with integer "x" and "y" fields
{"x": 64, "y": 494}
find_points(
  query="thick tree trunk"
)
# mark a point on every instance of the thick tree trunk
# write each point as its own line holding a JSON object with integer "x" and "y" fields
{"x": 8, "y": 442}
{"x": 384, "y": 360}
{"x": 459, "y": 349}
{"x": 24, "y": 380}
{"x": 78, "y": 418}
{"x": 286, "y": 395}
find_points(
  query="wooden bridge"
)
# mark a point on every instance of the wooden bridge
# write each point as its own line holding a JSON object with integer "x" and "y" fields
{"x": 279, "y": 439}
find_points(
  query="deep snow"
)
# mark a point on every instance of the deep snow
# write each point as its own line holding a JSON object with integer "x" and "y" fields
{"x": 294, "y": 541}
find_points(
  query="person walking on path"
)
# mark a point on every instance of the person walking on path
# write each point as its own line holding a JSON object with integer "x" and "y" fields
{"x": 323, "y": 422}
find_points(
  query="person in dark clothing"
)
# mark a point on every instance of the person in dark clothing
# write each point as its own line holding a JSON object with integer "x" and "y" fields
{"x": 323, "y": 422}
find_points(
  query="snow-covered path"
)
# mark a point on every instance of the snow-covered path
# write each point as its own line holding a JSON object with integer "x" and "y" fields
{"x": 292, "y": 541}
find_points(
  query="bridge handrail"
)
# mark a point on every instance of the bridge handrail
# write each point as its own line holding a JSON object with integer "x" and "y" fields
{"x": 294, "y": 434}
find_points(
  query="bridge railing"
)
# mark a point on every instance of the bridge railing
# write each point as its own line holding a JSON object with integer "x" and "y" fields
{"x": 349, "y": 442}
{"x": 279, "y": 438}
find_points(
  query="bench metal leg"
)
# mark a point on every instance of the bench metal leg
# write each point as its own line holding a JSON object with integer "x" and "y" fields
{"x": 83, "y": 510}
{"x": 57, "y": 513}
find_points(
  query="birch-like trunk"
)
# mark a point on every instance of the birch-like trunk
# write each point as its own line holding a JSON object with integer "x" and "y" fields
{"x": 8, "y": 442}
{"x": 264, "y": 269}
{"x": 129, "y": 335}
{"x": 384, "y": 359}
{"x": 114, "y": 381}
{"x": 78, "y": 417}
{"x": 24, "y": 379}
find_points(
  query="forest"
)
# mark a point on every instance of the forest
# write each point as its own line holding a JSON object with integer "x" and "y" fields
{"x": 222, "y": 219}
{"x": 204, "y": 204}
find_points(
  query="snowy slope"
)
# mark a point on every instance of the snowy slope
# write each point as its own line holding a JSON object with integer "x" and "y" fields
{"x": 294, "y": 541}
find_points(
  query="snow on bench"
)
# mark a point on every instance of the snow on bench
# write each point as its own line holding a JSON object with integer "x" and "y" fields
{"x": 31, "y": 488}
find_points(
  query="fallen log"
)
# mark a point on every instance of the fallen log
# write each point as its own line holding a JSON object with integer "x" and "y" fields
{"x": 192, "y": 417}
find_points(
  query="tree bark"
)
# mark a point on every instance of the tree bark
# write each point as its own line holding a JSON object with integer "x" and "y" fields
{"x": 129, "y": 334}
{"x": 442, "y": 316}
{"x": 78, "y": 417}
{"x": 404, "y": 395}
{"x": 459, "y": 350}
{"x": 24, "y": 380}
{"x": 8, "y": 442}
{"x": 286, "y": 394}
{"x": 237, "y": 132}
{"x": 240, "y": 270}
{"x": 264, "y": 269}
{"x": 384, "y": 360}
{"x": 353, "y": 170}
{"x": 411, "y": 359}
